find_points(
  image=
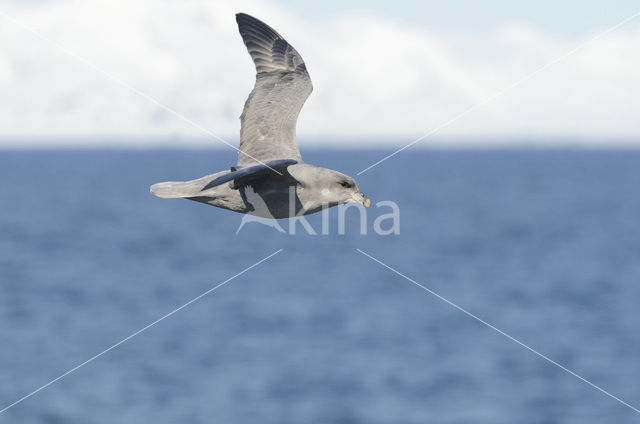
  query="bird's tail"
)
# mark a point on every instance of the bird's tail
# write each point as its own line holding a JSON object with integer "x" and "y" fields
{"x": 179, "y": 189}
{"x": 170, "y": 190}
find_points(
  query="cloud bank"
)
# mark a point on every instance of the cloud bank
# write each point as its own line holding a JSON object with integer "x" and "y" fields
{"x": 376, "y": 79}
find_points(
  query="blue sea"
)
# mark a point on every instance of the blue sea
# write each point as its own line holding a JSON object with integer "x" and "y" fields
{"x": 543, "y": 245}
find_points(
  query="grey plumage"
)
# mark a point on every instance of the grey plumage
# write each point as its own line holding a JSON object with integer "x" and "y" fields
{"x": 269, "y": 163}
{"x": 268, "y": 121}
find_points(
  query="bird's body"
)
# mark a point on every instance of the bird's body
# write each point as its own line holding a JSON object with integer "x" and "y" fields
{"x": 271, "y": 196}
{"x": 270, "y": 179}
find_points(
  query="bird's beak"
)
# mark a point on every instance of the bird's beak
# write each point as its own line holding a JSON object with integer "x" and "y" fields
{"x": 359, "y": 198}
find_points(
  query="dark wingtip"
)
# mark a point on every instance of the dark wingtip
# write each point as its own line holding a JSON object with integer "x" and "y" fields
{"x": 243, "y": 18}
{"x": 249, "y": 23}
{"x": 268, "y": 49}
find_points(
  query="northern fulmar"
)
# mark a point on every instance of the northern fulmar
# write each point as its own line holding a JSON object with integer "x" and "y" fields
{"x": 270, "y": 179}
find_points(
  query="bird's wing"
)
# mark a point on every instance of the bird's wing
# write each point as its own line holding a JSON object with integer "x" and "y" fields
{"x": 247, "y": 175}
{"x": 268, "y": 121}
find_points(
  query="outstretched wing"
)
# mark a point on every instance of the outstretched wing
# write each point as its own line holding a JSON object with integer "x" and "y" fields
{"x": 268, "y": 121}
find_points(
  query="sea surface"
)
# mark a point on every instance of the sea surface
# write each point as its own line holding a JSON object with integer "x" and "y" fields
{"x": 542, "y": 245}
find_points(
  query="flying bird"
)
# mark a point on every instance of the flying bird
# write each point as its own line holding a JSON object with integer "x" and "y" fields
{"x": 270, "y": 168}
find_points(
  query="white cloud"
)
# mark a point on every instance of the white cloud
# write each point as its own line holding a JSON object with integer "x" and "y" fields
{"x": 374, "y": 77}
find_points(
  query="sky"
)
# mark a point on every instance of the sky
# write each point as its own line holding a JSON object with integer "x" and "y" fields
{"x": 162, "y": 73}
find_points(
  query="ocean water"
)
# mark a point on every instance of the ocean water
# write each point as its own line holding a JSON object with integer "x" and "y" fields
{"x": 544, "y": 245}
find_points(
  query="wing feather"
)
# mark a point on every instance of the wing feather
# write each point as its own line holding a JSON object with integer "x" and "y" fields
{"x": 244, "y": 176}
{"x": 268, "y": 120}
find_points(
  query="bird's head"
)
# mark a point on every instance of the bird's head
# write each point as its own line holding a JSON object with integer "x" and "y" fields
{"x": 327, "y": 186}
{"x": 343, "y": 188}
